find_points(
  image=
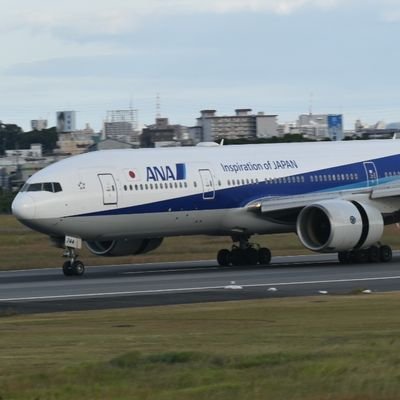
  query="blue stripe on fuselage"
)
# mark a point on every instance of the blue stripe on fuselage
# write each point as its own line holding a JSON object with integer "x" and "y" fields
{"x": 239, "y": 196}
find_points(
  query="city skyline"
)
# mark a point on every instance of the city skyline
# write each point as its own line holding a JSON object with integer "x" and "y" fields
{"x": 279, "y": 57}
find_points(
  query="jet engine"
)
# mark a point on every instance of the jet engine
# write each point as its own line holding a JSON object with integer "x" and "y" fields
{"x": 123, "y": 247}
{"x": 339, "y": 225}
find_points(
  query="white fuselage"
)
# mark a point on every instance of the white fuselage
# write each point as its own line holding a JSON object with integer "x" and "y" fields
{"x": 149, "y": 193}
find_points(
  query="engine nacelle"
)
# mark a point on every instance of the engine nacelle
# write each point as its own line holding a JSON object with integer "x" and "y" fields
{"x": 339, "y": 225}
{"x": 123, "y": 247}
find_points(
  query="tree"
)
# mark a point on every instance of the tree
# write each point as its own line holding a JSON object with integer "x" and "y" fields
{"x": 12, "y": 137}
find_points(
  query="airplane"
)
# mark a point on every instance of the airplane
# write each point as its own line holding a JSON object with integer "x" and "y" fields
{"x": 336, "y": 196}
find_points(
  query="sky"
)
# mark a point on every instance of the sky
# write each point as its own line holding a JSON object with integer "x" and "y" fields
{"x": 277, "y": 56}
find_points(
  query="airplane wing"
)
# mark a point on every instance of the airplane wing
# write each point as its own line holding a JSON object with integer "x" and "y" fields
{"x": 386, "y": 192}
{"x": 286, "y": 209}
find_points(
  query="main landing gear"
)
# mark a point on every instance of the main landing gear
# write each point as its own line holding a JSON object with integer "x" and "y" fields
{"x": 244, "y": 253}
{"x": 374, "y": 254}
{"x": 72, "y": 267}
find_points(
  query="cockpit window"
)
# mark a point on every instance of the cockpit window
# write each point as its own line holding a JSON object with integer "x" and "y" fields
{"x": 52, "y": 187}
{"x": 35, "y": 187}
{"x": 48, "y": 187}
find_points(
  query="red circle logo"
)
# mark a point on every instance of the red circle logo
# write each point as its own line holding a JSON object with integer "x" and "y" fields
{"x": 132, "y": 174}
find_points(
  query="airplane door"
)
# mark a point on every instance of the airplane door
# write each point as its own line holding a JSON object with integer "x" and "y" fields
{"x": 109, "y": 189}
{"x": 208, "y": 184}
{"x": 371, "y": 172}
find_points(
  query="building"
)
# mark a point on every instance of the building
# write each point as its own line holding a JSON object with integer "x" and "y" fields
{"x": 39, "y": 124}
{"x": 35, "y": 152}
{"x": 121, "y": 125}
{"x": 66, "y": 121}
{"x": 109, "y": 144}
{"x": 162, "y": 134}
{"x": 19, "y": 165}
{"x": 321, "y": 126}
{"x": 76, "y": 142}
{"x": 242, "y": 125}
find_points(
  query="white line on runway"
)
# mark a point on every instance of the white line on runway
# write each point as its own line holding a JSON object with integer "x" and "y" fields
{"x": 194, "y": 289}
{"x": 162, "y": 271}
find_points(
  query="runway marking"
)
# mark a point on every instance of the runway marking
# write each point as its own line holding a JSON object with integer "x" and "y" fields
{"x": 164, "y": 271}
{"x": 108, "y": 294}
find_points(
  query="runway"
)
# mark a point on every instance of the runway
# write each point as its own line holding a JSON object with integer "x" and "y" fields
{"x": 47, "y": 290}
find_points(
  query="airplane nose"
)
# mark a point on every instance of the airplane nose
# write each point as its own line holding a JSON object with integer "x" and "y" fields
{"x": 23, "y": 207}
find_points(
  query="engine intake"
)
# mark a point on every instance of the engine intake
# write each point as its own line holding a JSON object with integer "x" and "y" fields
{"x": 123, "y": 247}
{"x": 339, "y": 225}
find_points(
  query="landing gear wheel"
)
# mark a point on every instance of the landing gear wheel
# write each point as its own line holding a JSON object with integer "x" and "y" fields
{"x": 385, "y": 253}
{"x": 251, "y": 256}
{"x": 374, "y": 254}
{"x": 224, "y": 257}
{"x": 67, "y": 268}
{"x": 75, "y": 268}
{"x": 344, "y": 257}
{"x": 264, "y": 256}
{"x": 237, "y": 258}
{"x": 78, "y": 268}
{"x": 244, "y": 253}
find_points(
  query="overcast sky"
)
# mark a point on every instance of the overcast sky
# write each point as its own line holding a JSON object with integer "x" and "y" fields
{"x": 268, "y": 55}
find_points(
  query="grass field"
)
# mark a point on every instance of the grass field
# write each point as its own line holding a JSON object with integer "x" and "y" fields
{"x": 23, "y": 248}
{"x": 344, "y": 347}
{"x": 336, "y": 348}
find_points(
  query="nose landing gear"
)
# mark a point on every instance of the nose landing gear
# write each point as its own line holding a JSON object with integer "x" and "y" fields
{"x": 72, "y": 267}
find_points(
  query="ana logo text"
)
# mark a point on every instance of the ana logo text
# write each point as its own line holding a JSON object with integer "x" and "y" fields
{"x": 166, "y": 173}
